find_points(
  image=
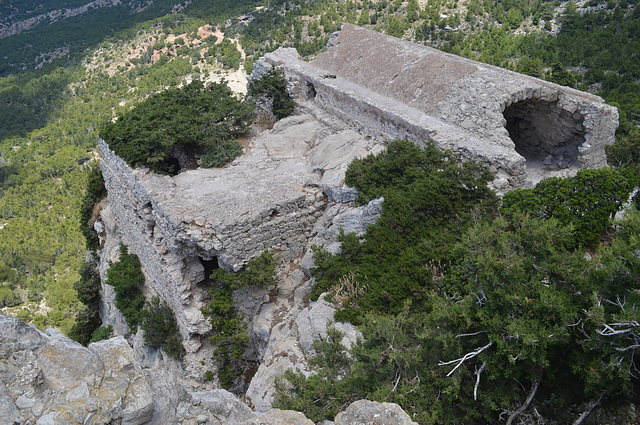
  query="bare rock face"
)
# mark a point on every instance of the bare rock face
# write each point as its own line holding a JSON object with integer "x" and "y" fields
{"x": 52, "y": 379}
{"x": 64, "y": 362}
{"x": 364, "y": 412}
{"x": 46, "y": 378}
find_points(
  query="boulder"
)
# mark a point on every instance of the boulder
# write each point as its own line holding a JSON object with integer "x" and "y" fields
{"x": 27, "y": 337}
{"x": 341, "y": 217}
{"x": 365, "y": 412}
{"x": 8, "y": 410}
{"x": 65, "y": 363}
{"x": 313, "y": 321}
{"x": 281, "y": 417}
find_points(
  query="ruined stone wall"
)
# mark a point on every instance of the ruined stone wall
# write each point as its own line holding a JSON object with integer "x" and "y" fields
{"x": 172, "y": 247}
{"x": 396, "y": 89}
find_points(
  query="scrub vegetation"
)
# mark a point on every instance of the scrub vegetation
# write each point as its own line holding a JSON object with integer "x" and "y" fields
{"x": 469, "y": 307}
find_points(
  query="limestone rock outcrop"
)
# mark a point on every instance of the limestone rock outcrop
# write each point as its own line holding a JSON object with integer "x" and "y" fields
{"x": 48, "y": 379}
{"x": 365, "y": 412}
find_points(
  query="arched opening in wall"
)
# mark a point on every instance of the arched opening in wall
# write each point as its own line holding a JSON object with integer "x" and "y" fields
{"x": 545, "y": 134}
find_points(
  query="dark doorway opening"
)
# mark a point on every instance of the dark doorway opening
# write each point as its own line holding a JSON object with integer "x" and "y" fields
{"x": 209, "y": 267}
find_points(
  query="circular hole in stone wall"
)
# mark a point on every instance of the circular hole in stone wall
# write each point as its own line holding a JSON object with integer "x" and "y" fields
{"x": 545, "y": 133}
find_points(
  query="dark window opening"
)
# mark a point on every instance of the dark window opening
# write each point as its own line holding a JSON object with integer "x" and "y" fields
{"x": 544, "y": 132}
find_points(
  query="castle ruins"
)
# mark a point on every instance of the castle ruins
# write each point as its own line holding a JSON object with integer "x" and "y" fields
{"x": 514, "y": 123}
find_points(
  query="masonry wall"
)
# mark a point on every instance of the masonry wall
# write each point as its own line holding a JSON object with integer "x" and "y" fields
{"x": 172, "y": 249}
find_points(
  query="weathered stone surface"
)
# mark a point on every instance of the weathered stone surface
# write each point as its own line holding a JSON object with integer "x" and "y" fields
{"x": 125, "y": 393}
{"x": 51, "y": 379}
{"x": 364, "y": 412}
{"x": 222, "y": 405}
{"x": 281, "y": 417}
{"x": 281, "y": 350}
{"x": 27, "y": 337}
{"x": 65, "y": 363}
{"x": 311, "y": 324}
{"x": 8, "y": 409}
{"x": 481, "y": 112}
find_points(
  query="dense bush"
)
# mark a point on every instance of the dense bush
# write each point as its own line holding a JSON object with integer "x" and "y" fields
{"x": 496, "y": 313}
{"x": 226, "y": 153}
{"x": 227, "y": 54}
{"x": 102, "y": 333}
{"x": 588, "y": 201}
{"x": 126, "y": 277}
{"x": 94, "y": 193}
{"x": 272, "y": 86}
{"x": 8, "y": 298}
{"x": 230, "y": 331}
{"x": 195, "y": 119}
{"x": 430, "y": 199}
{"x": 161, "y": 329}
{"x": 88, "y": 290}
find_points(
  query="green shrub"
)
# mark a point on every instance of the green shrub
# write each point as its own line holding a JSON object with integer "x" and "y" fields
{"x": 272, "y": 85}
{"x": 95, "y": 192}
{"x": 223, "y": 155}
{"x": 161, "y": 329}
{"x": 126, "y": 278}
{"x": 8, "y": 298}
{"x": 588, "y": 201}
{"x": 102, "y": 333}
{"x": 227, "y": 54}
{"x": 230, "y": 330}
{"x": 519, "y": 307}
{"x": 88, "y": 290}
{"x": 194, "y": 119}
{"x": 430, "y": 200}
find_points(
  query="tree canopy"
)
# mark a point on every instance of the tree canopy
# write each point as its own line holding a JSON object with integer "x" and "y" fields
{"x": 468, "y": 316}
{"x": 195, "y": 119}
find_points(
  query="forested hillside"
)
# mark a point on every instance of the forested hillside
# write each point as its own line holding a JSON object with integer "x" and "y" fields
{"x": 63, "y": 80}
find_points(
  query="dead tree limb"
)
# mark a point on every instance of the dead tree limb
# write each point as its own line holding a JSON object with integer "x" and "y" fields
{"x": 590, "y": 406}
{"x": 526, "y": 403}
{"x": 464, "y": 358}
{"x": 478, "y": 372}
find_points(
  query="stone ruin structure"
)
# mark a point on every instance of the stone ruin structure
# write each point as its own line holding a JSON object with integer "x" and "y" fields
{"x": 286, "y": 193}
{"x": 522, "y": 127}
